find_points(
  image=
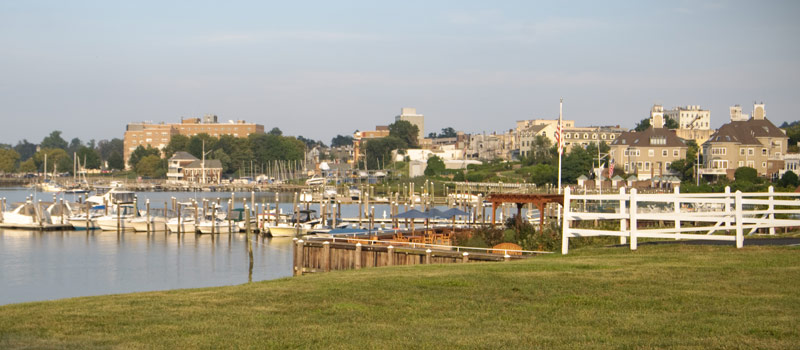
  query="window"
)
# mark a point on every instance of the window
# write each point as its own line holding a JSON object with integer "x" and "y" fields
{"x": 612, "y": 154}
{"x": 625, "y": 152}
{"x": 603, "y": 136}
{"x": 576, "y": 135}
{"x": 586, "y": 136}
{"x": 751, "y": 164}
{"x": 646, "y": 166}
{"x": 594, "y": 136}
{"x": 763, "y": 164}
{"x": 651, "y": 153}
{"x": 666, "y": 165}
{"x": 763, "y": 151}
{"x": 741, "y": 163}
{"x": 627, "y": 168}
{"x": 719, "y": 164}
{"x": 639, "y": 165}
{"x": 611, "y": 136}
{"x": 741, "y": 151}
{"x": 664, "y": 153}
{"x": 750, "y": 152}
{"x": 720, "y": 151}
{"x": 567, "y": 135}
{"x": 676, "y": 153}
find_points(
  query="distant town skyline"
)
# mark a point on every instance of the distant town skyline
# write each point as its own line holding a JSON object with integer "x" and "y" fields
{"x": 319, "y": 69}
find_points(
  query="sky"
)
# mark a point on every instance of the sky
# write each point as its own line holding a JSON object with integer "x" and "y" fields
{"x": 322, "y": 68}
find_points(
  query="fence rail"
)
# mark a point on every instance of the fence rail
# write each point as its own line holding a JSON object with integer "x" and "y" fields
{"x": 706, "y": 216}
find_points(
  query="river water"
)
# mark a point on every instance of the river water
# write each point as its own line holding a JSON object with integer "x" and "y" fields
{"x": 49, "y": 265}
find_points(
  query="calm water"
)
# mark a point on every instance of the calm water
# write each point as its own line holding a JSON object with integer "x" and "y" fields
{"x": 60, "y": 264}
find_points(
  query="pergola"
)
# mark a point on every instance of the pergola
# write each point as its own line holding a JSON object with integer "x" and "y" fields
{"x": 539, "y": 200}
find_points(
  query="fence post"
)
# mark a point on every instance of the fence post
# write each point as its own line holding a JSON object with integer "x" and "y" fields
{"x": 634, "y": 223}
{"x": 739, "y": 229}
{"x": 623, "y": 222}
{"x": 428, "y": 256}
{"x": 727, "y": 207}
{"x": 300, "y": 259}
{"x": 326, "y": 256}
{"x": 677, "y": 204}
{"x": 565, "y": 234}
{"x": 294, "y": 256}
{"x": 357, "y": 259}
{"x": 390, "y": 256}
{"x": 506, "y": 257}
{"x": 465, "y": 257}
{"x": 771, "y": 210}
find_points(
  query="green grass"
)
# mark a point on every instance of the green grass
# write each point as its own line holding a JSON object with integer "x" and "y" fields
{"x": 671, "y": 296}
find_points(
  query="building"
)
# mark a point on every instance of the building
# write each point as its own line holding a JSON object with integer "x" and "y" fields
{"x": 158, "y": 135}
{"x": 584, "y": 136}
{"x": 177, "y": 162}
{"x": 693, "y": 122}
{"x": 209, "y": 172}
{"x": 647, "y": 153}
{"x": 410, "y": 115}
{"x": 492, "y": 146}
{"x": 754, "y": 143}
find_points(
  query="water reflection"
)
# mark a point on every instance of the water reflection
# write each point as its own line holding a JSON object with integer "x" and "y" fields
{"x": 51, "y": 265}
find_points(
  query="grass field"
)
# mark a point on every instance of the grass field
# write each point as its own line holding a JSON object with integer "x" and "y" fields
{"x": 670, "y": 296}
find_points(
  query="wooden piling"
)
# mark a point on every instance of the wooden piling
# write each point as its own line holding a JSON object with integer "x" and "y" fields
{"x": 88, "y": 209}
{"x": 300, "y": 259}
{"x": 357, "y": 256}
{"x": 465, "y": 257}
{"x": 326, "y": 256}
{"x": 428, "y": 256}
{"x": 147, "y": 210}
{"x": 390, "y": 256}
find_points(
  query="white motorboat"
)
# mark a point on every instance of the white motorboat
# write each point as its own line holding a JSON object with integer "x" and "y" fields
{"x": 290, "y": 226}
{"x": 78, "y": 221}
{"x": 217, "y": 226}
{"x": 186, "y": 219}
{"x": 355, "y": 193}
{"x": 157, "y": 223}
{"x": 60, "y": 212}
{"x": 119, "y": 217}
{"x": 27, "y": 215}
{"x": 315, "y": 181}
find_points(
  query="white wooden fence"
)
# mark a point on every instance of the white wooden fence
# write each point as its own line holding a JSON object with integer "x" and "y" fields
{"x": 707, "y": 216}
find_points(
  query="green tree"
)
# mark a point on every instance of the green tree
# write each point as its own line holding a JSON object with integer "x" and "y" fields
{"x": 379, "y": 151}
{"x": 8, "y": 160}
{"x": 115, "y": 161}
{"x": 25, "y": 149}
{"x": 54, "y": 140}
{"x": 151, "y": 166}
{"x": 745, "y": 174}
{"x": 540, "y": 151}
{"x": 340, "y": 141}
{"x": 74, "y": 145}
{"x": 275, "y": 131}
{"x": 435, "y": 166}
{"x": 670, "y": 123}
{"x": 28, "y": 166}
{"x": 406, "y": 132}
{"x": 543, "y": 174}
{"x": 140, "y": 152}
{"x": 106, "y": 147}
{"x": 789, "y": 179}
{"x": 55, "y": 156}
{"x": 177, "y": 143}
{"x": 642, "y": 125}
{"x": 89, "y": 157}
{"x": 578, "y": 162}
{"x": 200, "y": 141}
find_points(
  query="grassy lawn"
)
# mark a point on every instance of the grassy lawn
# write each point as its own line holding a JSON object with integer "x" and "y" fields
{"x": 670, "y": 296}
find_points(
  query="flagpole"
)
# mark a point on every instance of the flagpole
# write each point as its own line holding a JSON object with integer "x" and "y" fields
{"x": 559, "y": 131}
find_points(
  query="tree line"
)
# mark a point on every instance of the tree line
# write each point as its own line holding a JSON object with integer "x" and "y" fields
{"x": 27, "y": 157}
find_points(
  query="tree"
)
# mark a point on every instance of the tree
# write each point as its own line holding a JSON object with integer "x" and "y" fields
{"x": 54, "y": 140}
{"x": 74, "y": 145}
{"x": 540, "y": 151}
{"x": 435, "y": 166}
{"x": 406, "y": 132}
{"x": 379, "y": 151}
{"x": 447, "y": 132}
{"x": 789, "y": 179}
{"x": 275, "y": 131}
{"x": 199, "y": 142}
{"x": 115, "y": 161}
{"x": 670, "y": 123}
{"x": 746, "y": 174}
{"x": 8, "y": 160}
{"x": 578, "y": 162}
{"x": 642, "y": 125}
{"x": 543, "y": 174}
{"x": 105, "y": 148}
{"x": 177, "y": 143}
{"x": 140, "y": 152}
{"x": 25, "y": 149}
{"x": 55, "y": 156}
{"x": 88, "y": 157}
{"x": 28, "y": 166}
{"x": 151, "y": 166}
{"x": 340, "y": 141}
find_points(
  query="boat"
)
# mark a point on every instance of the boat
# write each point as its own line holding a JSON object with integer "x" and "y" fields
{"x": 157, "y": 223}
{"x": 187, "y": 219}
{"x": 355, "y": 193}
{"x": 113, "y": 196}
{"x": 50, "y": 186}
{"x": 28, "y": 215}
{"x": 119, "y": 217}
{"x": 78, "y": 221}
{"x": 60, "y": 212}
{"x": 315, "y": 181}
{"x": 217, "y": 226}
{"x": 290, "y": 225}
{"x": 329, "y": 193}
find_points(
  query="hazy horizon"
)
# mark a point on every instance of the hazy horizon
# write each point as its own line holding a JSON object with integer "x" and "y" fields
{"x": 319, "y": 69}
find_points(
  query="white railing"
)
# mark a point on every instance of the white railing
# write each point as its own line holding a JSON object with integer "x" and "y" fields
{"x": 706, "y": 216}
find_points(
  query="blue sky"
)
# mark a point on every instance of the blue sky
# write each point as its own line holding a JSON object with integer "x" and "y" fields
{"x": 323, "y": 68}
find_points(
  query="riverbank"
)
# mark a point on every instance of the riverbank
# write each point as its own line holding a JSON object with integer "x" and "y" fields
{"x": 659, "y": 296}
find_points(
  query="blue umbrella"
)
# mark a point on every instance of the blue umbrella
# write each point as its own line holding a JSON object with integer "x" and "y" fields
{"x": 449, "y": 213}
{"x": 434, "y": 213}
{"x": 413, "y": 214}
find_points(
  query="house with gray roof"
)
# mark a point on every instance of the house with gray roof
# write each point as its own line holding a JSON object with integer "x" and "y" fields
{"x": 647, "y": 153}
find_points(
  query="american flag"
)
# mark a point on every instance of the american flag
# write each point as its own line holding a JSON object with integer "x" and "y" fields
{"x": 559, "y": 143}
{"x": 611, "y": 168}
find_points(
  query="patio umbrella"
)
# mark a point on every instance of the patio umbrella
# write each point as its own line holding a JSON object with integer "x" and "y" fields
{"x": 413, "y": 214}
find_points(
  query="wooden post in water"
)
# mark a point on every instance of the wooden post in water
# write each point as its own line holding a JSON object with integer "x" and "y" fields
{"x": 119, "y": 219}
{"x": 178, "y": 215}
{"x": 249, "y": 245}
{"x": 326, "y": 256}
{"x": 294, "y": 256}
{"x": 166, "y": 229}
{"x": 147, "y": 210}
{"x": 276, "y": 208}
{"x": 300, "y": 258}
{"x": 214, "y": 221}
{"x": 357, "y": 256}
{"x": 230, "y": 214}
{"x": 360, "y": 209}
{"x": 372, "y": 218}
{"x": 88, "y": 209}
{"x": 247, "y": 221}
{"x": 196, "y": 215}
{"x": 428, "y": 256}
